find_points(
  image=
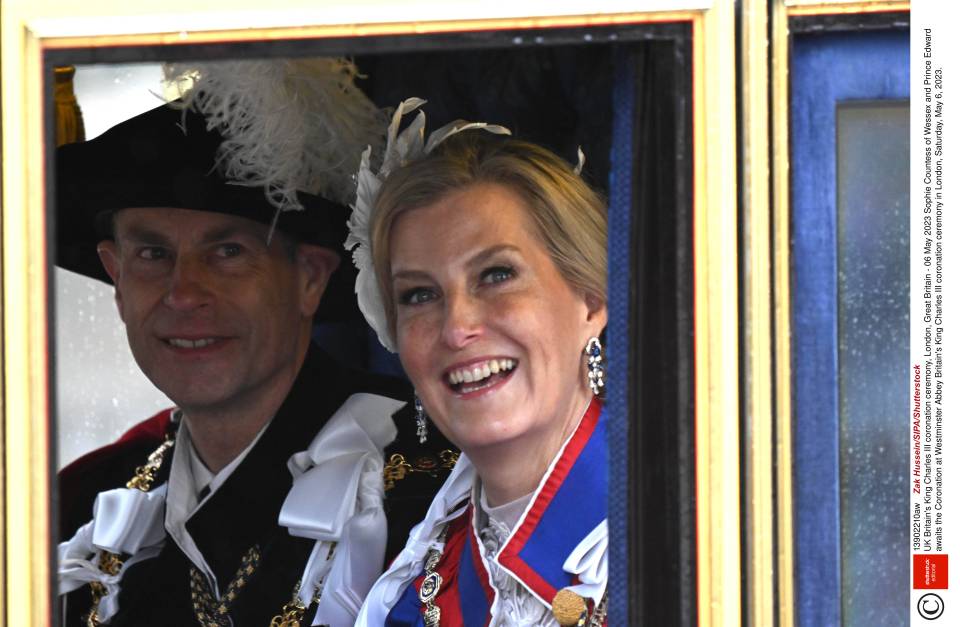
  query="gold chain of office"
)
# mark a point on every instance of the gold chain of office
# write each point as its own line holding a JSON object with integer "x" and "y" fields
{"x": 143, "y": 478}
{"x": 208, "y": 612}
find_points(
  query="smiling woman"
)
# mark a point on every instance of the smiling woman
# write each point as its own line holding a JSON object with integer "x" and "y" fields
{"x": 495, "y": 295}
{"x": 515, "y": 274}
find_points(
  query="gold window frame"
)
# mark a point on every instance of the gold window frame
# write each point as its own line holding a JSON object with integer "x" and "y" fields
{"x": 32, "y": 27}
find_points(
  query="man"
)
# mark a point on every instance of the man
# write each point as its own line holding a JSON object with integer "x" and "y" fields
{"x": 259, "y": 496}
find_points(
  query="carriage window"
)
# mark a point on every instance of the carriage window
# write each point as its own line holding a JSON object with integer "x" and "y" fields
{"x": 623, "y": 95}
{"x": 849, "y": 204}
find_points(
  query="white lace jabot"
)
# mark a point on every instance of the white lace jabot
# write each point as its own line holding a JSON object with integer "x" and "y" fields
{"x": 514, "y": 605}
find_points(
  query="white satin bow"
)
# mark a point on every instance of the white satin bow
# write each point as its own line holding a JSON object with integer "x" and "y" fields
{"x": 337, "y": 497}
{"x": 588, "y": 561}
{"x": 125, "y": 521}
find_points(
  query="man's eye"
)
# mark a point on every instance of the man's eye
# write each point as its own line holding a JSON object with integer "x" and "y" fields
{"x": 152, "y": 253}
{"x": 417, "y": 296}
{"x": 229, "y": 250}
{"x": 497, "y": 274}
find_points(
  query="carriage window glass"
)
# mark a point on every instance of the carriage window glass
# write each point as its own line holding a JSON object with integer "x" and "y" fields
{"x": 100, "y": 390}
{"x": 873, "y": 341}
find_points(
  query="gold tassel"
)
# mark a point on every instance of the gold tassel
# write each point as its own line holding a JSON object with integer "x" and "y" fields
{"x": 69, "y": 119}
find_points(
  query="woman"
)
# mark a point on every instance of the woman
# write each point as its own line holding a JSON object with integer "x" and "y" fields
{"x": 489, "y": 257}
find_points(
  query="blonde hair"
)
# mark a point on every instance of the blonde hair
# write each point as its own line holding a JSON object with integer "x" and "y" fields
{"x": 570, "y": 217}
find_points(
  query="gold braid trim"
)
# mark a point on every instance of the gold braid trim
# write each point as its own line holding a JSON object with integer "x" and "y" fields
{"x": 397, "y": 467}
{"x": 145, "y": 475}
{"x": 292, "y": 613}
{"x": 211, "y": 612}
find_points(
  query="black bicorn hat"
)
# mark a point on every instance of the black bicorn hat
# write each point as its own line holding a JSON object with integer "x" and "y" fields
{"x": 173, "y": 157}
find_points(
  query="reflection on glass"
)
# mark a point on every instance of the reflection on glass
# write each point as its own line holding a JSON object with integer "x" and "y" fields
{"x": 100, "y": 390}
{"x": 873, "y": 297}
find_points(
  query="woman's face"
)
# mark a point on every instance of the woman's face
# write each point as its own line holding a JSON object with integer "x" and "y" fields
{"x": 488, "y": 330}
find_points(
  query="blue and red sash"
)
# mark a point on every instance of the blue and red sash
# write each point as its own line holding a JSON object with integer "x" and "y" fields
{"x": 571, "y": 503}
{"x": 465, "y": 595}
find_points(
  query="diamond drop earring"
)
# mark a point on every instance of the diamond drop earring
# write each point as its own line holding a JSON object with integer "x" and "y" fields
{"x": 594, "y": 353}
{"x": 421, "y": 417}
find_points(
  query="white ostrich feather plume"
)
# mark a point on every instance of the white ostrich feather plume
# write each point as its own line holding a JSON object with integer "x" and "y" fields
{"x": 289, "y": 125}
{"x": 403, "y": 147}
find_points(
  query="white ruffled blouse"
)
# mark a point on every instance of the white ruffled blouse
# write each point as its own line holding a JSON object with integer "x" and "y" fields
{"x": 516, "y": 605}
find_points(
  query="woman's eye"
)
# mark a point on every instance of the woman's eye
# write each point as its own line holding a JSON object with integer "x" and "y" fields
{"x": 416, "y": 296}
{"x": 497, "y": 274}
{"x": 152, "y": 253}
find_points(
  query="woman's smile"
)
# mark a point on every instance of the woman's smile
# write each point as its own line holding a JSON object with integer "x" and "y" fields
{"x": 482, "y": 375}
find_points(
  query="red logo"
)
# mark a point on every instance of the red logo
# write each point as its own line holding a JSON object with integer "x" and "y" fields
{"x": 930, "y": 571}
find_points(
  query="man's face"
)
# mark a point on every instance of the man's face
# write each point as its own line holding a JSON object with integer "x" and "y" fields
{"x": 215, "y": 317}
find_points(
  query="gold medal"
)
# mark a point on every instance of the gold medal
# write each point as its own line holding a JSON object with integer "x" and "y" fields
{"x": 569, "y": 609}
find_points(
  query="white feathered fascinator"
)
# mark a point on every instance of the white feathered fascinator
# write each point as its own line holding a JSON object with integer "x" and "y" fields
{"x": 288, "y": 125}
{"x": 402, "y": 148}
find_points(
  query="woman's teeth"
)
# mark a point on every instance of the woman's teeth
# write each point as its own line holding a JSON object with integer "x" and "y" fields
{"x": 479, "y": 372}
